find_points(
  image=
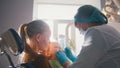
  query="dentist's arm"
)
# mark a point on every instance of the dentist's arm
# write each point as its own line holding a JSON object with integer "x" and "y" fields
{"x": 63, "y": 59}
{"x": 70, "y": 54}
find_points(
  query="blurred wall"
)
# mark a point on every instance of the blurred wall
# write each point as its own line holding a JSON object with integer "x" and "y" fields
{"x": 15, "y": 12}
{"x": 12, "y": 14}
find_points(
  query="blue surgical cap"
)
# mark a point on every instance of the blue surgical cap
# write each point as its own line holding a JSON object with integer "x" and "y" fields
{"x": 90, "y": 14}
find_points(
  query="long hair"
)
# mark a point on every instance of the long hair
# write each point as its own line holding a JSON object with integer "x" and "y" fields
{"x": 28, "y": 30}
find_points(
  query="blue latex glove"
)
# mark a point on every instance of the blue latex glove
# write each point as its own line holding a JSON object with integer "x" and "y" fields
{"x": 69, "y": 54}
{"x": 61, "y": 56}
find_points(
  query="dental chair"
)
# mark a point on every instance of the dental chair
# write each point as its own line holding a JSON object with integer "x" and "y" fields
{"x": 11, "y": 43}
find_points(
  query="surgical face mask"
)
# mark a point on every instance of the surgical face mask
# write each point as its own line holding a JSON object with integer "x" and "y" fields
{"x": 82, "y": 31}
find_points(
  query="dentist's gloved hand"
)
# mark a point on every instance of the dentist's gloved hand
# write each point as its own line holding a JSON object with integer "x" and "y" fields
{"x": 61, "y": 56}
{"x": 69, "y": 54}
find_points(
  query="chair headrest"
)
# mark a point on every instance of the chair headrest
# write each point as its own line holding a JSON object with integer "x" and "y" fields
{"x": 12, "y": 41}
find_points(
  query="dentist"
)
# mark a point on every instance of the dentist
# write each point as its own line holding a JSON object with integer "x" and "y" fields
{"x": 98, "y": 39}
